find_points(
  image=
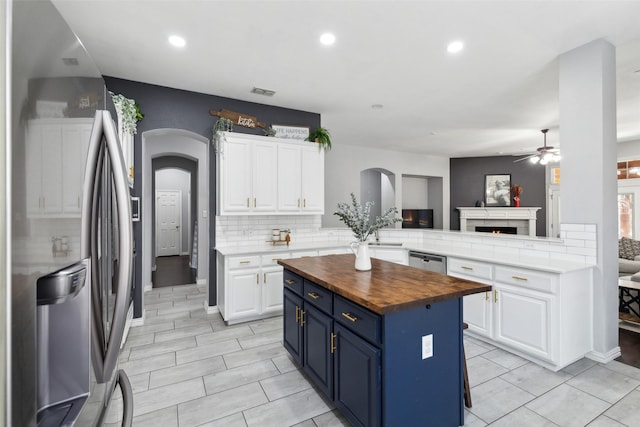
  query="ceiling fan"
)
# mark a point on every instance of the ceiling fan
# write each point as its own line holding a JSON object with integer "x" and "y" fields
{"x": 545, "y": 154}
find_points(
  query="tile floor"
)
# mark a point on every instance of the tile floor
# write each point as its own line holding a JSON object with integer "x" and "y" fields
{"x": 188, "y": 369}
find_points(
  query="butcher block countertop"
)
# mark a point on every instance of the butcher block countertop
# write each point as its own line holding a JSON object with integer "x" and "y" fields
{"x": 386, "y": 288}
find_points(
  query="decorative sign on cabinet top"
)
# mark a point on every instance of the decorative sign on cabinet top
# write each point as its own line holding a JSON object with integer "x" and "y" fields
{"x": 239, "y": 119}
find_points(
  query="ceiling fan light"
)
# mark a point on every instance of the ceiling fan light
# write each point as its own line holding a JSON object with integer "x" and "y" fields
{"x": 556, "y": 157}
{"x": 547, "y": 157}
{"x": 534, "y": 159}
{"x": 543, "y": 161}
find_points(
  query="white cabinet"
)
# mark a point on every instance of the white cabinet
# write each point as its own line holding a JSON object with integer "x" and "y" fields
{"x": 56, "y": 155}
{"x": 250, "y": 287}
{"x": 397, "y": 255}
{"x": 248, "y": 176}
{"x": 260, "y": 175}
{"x": 540, "y": 316}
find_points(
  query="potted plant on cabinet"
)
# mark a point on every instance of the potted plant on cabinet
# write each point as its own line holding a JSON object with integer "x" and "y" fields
{"x": 322, "y": 137}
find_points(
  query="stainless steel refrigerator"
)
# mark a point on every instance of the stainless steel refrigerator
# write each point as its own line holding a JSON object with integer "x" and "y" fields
{"x": 67, "y": 229}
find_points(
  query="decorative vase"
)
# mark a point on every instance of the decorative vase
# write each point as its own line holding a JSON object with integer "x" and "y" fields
{"x": 363, "y": 259}
{"x": 516, "y": 201}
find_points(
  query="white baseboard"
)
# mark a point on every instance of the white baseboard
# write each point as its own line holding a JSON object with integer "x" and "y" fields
{"x": 211, "y": 309}
{"x": 138, "y": 321}
{"x": 201, "y": 282}
{"x": 604, "y": 357}
{"x": 184, "y": 253}
{"x": 148, "y": 287}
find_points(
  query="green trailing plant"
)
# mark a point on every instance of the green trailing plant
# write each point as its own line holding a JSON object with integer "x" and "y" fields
{"x": 356, "y": 217}
{"x": 222, "y": 125}
{"x": 322, "y": 137}
{"x": 128, "y": 112}
{"x": 269, "y": 131}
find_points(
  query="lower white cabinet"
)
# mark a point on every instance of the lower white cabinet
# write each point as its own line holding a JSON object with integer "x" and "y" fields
{"x": 540, "y": 316}
{"x": 397, "y": 255}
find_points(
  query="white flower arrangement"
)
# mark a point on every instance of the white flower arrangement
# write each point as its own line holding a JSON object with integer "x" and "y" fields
{"x": 128, "y": 113}
{"x": 357, "y": 218}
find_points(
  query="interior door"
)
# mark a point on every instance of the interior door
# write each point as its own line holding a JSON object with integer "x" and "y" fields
{"x": 168, "y": 219}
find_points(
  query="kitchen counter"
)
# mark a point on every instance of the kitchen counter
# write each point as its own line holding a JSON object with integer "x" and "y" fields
{"x": 386, "y": 288}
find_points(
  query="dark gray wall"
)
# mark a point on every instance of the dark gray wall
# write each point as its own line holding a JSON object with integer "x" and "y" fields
{"x": 165, "y": 107}
{"x": 467, "y": 184}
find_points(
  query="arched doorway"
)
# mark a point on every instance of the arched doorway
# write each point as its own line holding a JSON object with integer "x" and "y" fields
{"x": 180, "y": 143}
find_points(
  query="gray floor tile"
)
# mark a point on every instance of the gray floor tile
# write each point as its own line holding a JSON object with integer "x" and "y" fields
{"x": 260, "y": 339}
{"x": 206, "y": 351}
{"x": 220, "y": 405}
{"x": 235, "y": 420}
{"x": 604, "y": 383}
{"x": 535, "y": 379}
{"x": 189, "y": 331}
{"x": 225, "y": 334}
{"x": 331, "y": 419}
{"x": 621, "y": 368}
{"x": 481, "y": 370}
{"x": 284, "y": 385}
{"x": 504, "y": 358}
{"x": 167, "y": 417}
{"x": 157, "y": 304}
{"x": 284, "y": 363}
{"x": 579, "y": 366}
{"x": 139, "y": 382}
{"x": 232, "y": 378}
{"x": 255, "y": 354}
{"x": 287, "y": 411}
{"x": 186, "y": 371}
{"x": 189, "y": 321}
{"x": 568, "y": 406}
{"x": 170, "y": 395}
{"x": 267, "y": 325}
{"x": 149, "y": 328}
{"x": 161, "y": 348}
{"x": 306, "y": 423}
{"x": 182, "y": 306}
{"x": 604, "y": 421}
{"x": 523, "y": 417}
{"x": 627, "y": 410}
{"x": 496, "y": 398}
{"x": 134, "y": 367}
{"x": 473, "y": 348}
{"x": 138, "y": 340}
{"x": 470, "y": 420}
{"x": 167, "y": 317}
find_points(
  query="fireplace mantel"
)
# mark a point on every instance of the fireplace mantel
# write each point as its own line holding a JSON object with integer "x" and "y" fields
{"x": 500, "y": 216}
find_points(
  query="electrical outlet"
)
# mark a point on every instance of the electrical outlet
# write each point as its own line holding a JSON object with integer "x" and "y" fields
{"x": 427, "y": 346}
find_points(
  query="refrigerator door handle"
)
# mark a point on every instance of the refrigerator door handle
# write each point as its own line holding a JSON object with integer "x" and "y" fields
{"x": 127, "y": 398}
{"x": 105, "y": 352}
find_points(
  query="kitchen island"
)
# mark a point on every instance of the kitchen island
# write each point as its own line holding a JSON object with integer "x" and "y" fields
{"x": 384, "y": 345}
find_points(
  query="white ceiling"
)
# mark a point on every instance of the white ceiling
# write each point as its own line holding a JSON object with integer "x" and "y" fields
{"x": 492, "y": 98}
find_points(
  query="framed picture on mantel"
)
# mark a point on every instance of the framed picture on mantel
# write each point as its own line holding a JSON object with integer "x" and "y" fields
{"x": 497, "y": 190}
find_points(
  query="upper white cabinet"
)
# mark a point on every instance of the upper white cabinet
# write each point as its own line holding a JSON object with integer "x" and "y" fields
{"x": 264, "y": 175}
{"x": 56, "y": 155}
{"x": 300, "y": 179}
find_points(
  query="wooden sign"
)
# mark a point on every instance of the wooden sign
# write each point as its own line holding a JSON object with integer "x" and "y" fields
{"x": 238, "y": 118}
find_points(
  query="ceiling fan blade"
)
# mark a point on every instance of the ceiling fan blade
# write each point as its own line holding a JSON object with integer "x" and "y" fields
{"x": 524, "y": 158}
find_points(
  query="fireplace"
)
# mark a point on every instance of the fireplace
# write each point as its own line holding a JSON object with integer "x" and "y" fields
{"x": 522, "y": 219}
{"x": 497, "y": 229}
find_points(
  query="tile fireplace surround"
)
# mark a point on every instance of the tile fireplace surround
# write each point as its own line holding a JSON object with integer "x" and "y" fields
{"x": 524, "y": 219}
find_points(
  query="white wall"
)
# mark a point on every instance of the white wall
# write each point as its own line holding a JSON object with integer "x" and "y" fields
{"x": 344, "y": 163}
{"x": 414, "y": 192}
{"x": 177, "y": 180}
{"x": 629, "y": 150}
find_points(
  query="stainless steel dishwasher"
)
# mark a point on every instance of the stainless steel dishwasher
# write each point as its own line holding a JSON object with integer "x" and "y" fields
{"x": 430, "y": 262}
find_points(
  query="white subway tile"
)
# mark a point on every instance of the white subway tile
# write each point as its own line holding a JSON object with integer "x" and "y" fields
{"x": 572, "y": 227}
{"x": 581, "y": 235}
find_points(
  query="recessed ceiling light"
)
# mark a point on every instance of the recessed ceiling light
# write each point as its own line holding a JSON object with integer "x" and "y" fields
{"x": 377, "y": 106}
{"x": 455, "y": 46}
{"x": 261, "y": 91}
{"x": 327, "y": 39}
{"x": 177, "y": 41}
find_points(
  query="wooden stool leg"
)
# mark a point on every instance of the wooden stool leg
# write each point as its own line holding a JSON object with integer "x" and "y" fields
{"x": 467, "y": 389}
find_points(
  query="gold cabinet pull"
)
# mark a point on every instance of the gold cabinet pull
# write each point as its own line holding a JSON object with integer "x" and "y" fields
{"x": 302, "y": 312}
{"x": 298, "y": 202}
{"x": 349, "y": 316}
{"x": 245, "y": 262}
{"x": 247, "y": 202}
{"x": 519, "y": 278}
{"x": 486, "y": 296}
{"x": 305, "y": 203}
{"x": 289, "y": 281}
{"x": 333, "y": 342}
{"x": 495, "y": 296}
{"x": 264, "y": 277}
{"x": 313, "y": 295}
{"x": 257, "y": 279}
{"x": 254, "y": 202}
{"x": 464, "y": 267}
{"x": 297, "y": 314}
